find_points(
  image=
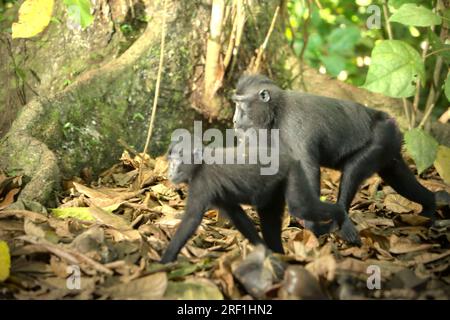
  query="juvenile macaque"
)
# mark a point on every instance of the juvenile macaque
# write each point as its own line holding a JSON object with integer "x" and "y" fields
{"x": 226, "y": 186}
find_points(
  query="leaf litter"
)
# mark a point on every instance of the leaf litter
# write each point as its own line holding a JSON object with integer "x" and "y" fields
{"x": 104, "y": 241}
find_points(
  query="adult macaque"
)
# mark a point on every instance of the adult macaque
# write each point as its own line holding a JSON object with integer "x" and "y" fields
{"x": 321, "y": 131}
{"x": 227, "y": 186}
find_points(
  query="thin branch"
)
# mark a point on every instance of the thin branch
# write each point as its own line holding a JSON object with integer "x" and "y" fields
{"x": 305, "y": 44}
{"x": 426, "y": 116}
{"x": 158, "y": 79}
{"x": 318, "y": 4}
{"x": 432, "y": 96}
{"x": 437, "y": 51}
{"x": 417, "y": 95}
{"x": 406, "y": 109}
{"x": 386, "y": 17}
{"x": 67, "y": 254}
{"x": 266, "y": 41}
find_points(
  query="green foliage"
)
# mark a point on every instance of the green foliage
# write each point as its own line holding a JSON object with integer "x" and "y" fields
{"x": 447, "y": 86}
{"x": 395, "y": 65}
{"x": 79, "y": 12}
{"x": 334, "y": 63}
{"x": 442, "y": 49}
{"x": 398, "y": 3}
{"x": 422, "y": 147}
{"x": 442, "y": 163}
{"x": 126, "y": 28}
{"x": 343, "y": 40}
{"x": 340, "y": 43}
{"x": 336, "y": 36}
{"x": 412, "y": 15}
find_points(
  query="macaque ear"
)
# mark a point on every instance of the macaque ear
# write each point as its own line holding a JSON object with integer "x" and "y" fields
{"x": 264, "y": 95}
{"x": 198, "y": 155}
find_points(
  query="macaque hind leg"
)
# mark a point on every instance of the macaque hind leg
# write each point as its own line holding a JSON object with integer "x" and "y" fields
{"x": 305, "y": 204}
{"x": 271, "y": 219}
{"x": 242, "y": 222}
{"x": 399, "y": 177}
{"x": 312, "y": 176}
{"x": 191, "y": 220}
{"x": 384, "y": 146}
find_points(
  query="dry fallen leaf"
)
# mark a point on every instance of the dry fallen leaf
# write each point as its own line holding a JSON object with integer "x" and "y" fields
{"x": 404, "y": 245}
{"x": 149, "y": 287}
{"x": 324, "y": 266}
{"x": 193, "y": 289}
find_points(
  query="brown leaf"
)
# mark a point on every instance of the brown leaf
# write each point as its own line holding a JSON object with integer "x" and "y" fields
{"x": 308, "y": 238}
{"x": 414, "y": 219}
{"x": 428, "y": 257}
{"x": 225, "y": 276}
{"x": 161, "y": 166}
{"x": 59, "y": 267}
{"x": 380, "y": 222}
{"x": 9, "y": 199}
{"x": 324, "y": 266}
{"x": 109, "y": 219}
{"x": 400, "y": 245}
{"x": 42, "y": 231}
{"x": 104, "y": 194}
{"x": 362, "y": 252}
{"x": 149, "y": 287}
{"x": 398, "y": 204}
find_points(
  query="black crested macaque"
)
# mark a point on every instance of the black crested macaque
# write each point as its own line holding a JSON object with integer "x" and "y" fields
{"x": 227, "y": 186}
{"x": 322, "y": 131}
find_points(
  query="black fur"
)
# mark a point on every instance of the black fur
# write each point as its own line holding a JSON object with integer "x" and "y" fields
{"x": 343, "y": 135}
{"x": 226, "y": 186}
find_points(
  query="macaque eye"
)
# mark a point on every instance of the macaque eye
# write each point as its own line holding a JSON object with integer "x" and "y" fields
{"x": 264, "y": 95}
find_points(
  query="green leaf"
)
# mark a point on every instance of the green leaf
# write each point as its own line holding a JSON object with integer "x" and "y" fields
{"x": 80, "y": 213}
{"x": 79, "y": 12}
{"x": 439, "y": 47}
{"x": 422, "y": 147}
{"x": 394, "y": 68}
{"x": 442, "y": 163}
{"x": 183, "y": 269}
{"x": 447, "y": 87}
{"x": 398, "y": 3}
{"x": 343, "y": 40}
{"x": 334, "y": 64}
{"x": 413, "y": 15}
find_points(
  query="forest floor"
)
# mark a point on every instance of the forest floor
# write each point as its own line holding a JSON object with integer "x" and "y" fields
{"x": 104, "y": 241}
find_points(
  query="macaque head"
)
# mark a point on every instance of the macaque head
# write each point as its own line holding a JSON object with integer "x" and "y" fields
{"x": 184, "y": 160}
{"x": 255, "y": 99}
